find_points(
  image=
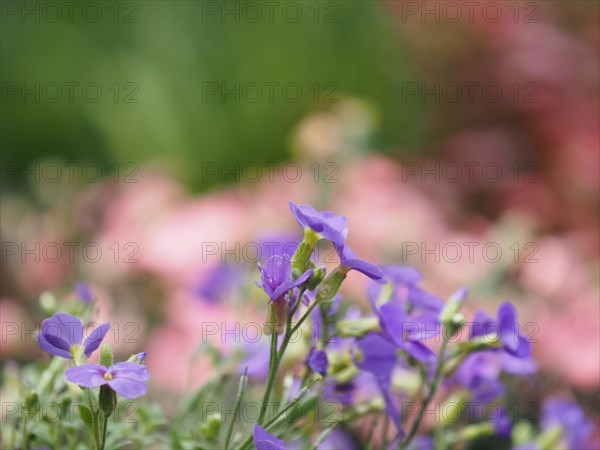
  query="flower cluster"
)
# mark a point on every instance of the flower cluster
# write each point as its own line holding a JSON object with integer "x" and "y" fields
{"x": 385, "y": 363}
{"x": 62, "y": 335}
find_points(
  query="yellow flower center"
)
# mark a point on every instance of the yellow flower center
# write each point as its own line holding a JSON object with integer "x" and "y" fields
{"x": 108, "y": 376}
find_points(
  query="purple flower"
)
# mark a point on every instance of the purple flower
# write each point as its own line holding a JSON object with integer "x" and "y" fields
{"x": 506, "y": 327}
{"x": 276, "y": 276}
{"x": 317, "y": 361}
{"x": 577, "y": 428}
{"x": 422, "y": 443}
{"x": 480, "y": 372}
{"x": 127, "y": 379}
{"x": 350, "y": 261}
{"x": 219, "y": 282}
{"x": 403, "y": 281}
{"x": 62, "y": 335}
{"x": 406, "y": 332}
{"x": 84, "y": 292}
{"x": 326, "y": 224}
{"x": 266, "y": 441}
{"x": 338, "y": 440}
{"x": 378, "y": 357}
{"x": 502, "y": 424}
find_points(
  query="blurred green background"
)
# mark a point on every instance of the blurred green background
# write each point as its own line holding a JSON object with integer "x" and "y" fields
{"x": 167, "y": 54}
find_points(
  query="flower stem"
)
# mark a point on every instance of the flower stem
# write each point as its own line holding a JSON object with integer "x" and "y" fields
{"x": 94, "y": 412}
{"x": 103, "y": 443}
{"x": 273, "y": 366}
{"x": 274, "y": 420}
{"x": 236, "y": 410}
{"x": 434, "y": 387}
{"x": 25, "y": 433}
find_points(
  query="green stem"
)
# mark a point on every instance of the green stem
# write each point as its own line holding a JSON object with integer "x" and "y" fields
{"x": 25, "y": 433}
{"x": 273, "y": 366}
{"x": 104, "y": 432}
{"x": 273, "y": 421}
{"x": 94, "y": 412}
{"x": 236, "y": 410}
{"x": 432, "y": 391}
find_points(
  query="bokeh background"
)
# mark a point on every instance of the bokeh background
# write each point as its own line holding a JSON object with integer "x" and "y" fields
{"x": 460, "y": 139}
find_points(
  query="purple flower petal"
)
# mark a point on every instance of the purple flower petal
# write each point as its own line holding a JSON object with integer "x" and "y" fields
{"x": 84, "y": 292}
{"x": 377, "y": 356}
{"x": 421, "y": 299}
{"x": 483, "y": 324}
{"x": 393, "y": 318}
{"x": 266, "y": 441}
{"x": 131, "y": 371}
{"x": 128, "y": 388}
{"x": 420, "y": 352}
{"x": 59, "y": 333}
{"x": 509, "y": 329}
{"x": 94, "y": 339}
{"x": 88, "y": 375}
{"x": 516, "y": 365}
{"x": 317, "y": 361}
{"x": 287, "y": 285}
{"x": 51, "y": 349}
{"x": 327, "y": 224}
{"x": 349, "y": 259}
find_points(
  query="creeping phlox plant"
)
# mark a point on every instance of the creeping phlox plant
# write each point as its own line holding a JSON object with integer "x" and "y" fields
{"x": 329, "y": 377}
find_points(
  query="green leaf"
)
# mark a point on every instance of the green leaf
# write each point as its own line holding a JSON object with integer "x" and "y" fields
{"x": 86, "y": 414}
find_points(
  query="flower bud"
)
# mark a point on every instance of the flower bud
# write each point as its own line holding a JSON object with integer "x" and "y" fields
{"x": 276, "y": 317}
{"x": 454, "y": 325}
{"x": 106, "y": 355}
{"x": 331, "y": 284}
{"x": 315, "y": 279}
{"x": 31, "y": 401}
{"x": 211, "y": 429}
{"x": 47, "y": 302}
{"x": 137, "y": 358}
{"x": 304, "y": 251}
{"x": 107, "y": 400}
{"x": 358, "y": 327}
{"x": 453, "y": 305}
{"x": 551, "y": 438}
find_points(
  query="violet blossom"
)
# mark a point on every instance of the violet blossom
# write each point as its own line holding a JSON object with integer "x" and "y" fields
{"x": 62, "y": 335}
{"x": 127, "y": 379}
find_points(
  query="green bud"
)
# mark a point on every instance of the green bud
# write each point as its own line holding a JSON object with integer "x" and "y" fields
{"x": 358, "y": 327}
{"x": 276, "y": 317}
{"x": 522, "y": 432}
{"x": 47, "y": 302}
{"x": 453, "y": 305}
{"x": 453, "y": 407}
{"x": 476, "y": 430}
{"x": 296, "y": 273}
{"x": 243, "y": 386}
{"x": 107, "y": 400}
{"x": 31, "y": 401}
{"x": 454, "y": 325}
{"x": 137, "y": 358}
{"x": 316, "y": 278}
{"x": 106, "y": 355}
{"x": 331, "y": 284}
{"x": 271, "y": 323}
{"x": 551, "y": 438}
{"x": 212, "y": 427}
{"x": 304, "y": 251}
